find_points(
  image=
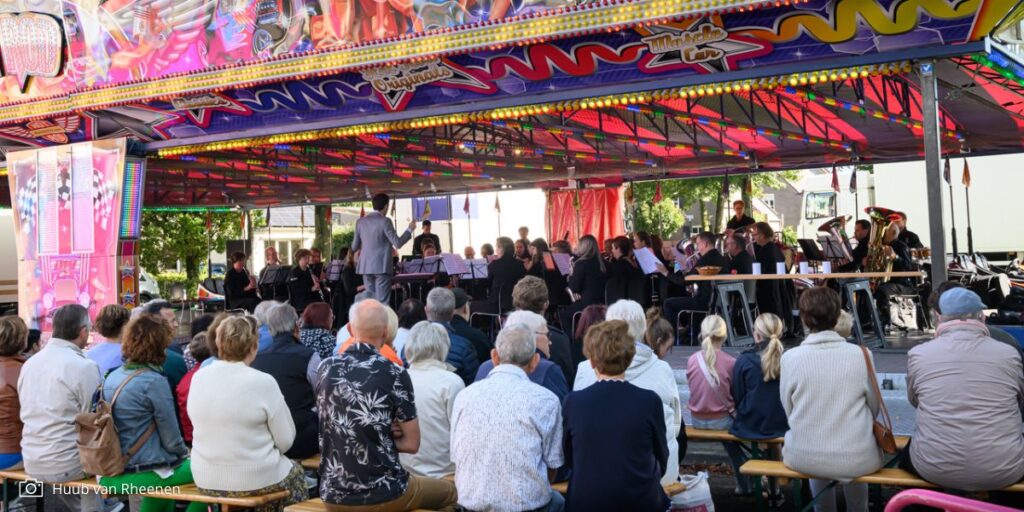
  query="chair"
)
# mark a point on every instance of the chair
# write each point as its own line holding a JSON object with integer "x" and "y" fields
{"x": 494, "y": 318}
{"x": 690, "y": 325}
{"x": 851, "y": 288}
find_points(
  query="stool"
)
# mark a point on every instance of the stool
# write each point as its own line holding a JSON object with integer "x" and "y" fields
{"x": 724, "y": 289}
{"x": 851, "y": 287}
{"x": 689, "y": 327}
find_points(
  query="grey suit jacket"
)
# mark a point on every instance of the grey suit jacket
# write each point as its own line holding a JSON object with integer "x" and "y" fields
{"x": 375, "y": 235}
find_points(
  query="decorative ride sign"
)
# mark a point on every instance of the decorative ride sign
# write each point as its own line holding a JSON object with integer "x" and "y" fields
{"x": 31, "y": 44}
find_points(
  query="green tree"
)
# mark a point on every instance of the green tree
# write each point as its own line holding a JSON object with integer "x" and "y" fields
{"x": 342, "y": 236}
{"x": 662, "y": 219}
{"x": 169, "y": 237}
{"x": 322, "y": 229}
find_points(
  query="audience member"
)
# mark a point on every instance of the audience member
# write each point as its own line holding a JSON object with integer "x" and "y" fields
{"x": 109, "y": 322}
{"x": 648, "y": 372}
{"x": 294, "y": 367}
{"x": 241, "y": 424}
{"x": 316, "y": 329}
{"x": 593, "y": 314}
{"x": 461, "y": 354}
{"x": 614, "y": 475}
{"x": 460, "y": 325}
{"x": 507, "y": 433}
{"x": 830, "y": 406}
{"x": 13, "y": 341}
{"x": 387, "y": 349}
{"x": 410, "y": 313}
{"x": 201, "y": 351}
{"x": 967, "y": 389}
{"x": 546, "y": 373}
{"x": 144, "y": 417}
{"x": 505, "y": 271}
{"x": 709, "y": 376}
{"x": 368, "y": 416}
{"x": 531, "y": 294}
{"x": 436, "y": 388}
{"x": 995, "y": 332}
{"x": 174, "y": 365}
{"x": 587, "y": 282}
{"x": 261, "y": 318}
{"x": 56, "y": 385}
{"x": 659, "y": 336}
{"x": 198, "y": 325}
{"x": 211, "y": 339}
{"x": 755, "y": 384}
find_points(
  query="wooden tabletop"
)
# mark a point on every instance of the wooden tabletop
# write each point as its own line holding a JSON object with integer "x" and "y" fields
{"x": 834, "y": 275}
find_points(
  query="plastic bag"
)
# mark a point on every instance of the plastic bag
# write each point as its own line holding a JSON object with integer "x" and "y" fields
{"x": 696, "y": 497}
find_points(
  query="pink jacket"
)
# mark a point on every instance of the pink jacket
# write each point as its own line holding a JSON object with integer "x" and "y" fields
{"x": 705, "y": 402}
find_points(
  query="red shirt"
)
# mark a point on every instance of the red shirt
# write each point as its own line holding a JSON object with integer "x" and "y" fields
{"x": 181, "y": 395}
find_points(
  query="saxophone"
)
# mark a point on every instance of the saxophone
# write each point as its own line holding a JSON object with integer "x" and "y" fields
{"x": 877, "y": 259}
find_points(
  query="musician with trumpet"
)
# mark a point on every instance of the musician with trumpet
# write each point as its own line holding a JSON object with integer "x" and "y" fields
{"x": 303, "y": 288}
{"x": 239, "y": 285}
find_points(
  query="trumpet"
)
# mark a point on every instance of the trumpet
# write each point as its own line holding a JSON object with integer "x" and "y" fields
{"x": 836, "y": 226}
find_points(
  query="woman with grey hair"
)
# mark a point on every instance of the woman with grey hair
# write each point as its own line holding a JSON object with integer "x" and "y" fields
{"x": 436, "y": 387}
{"x": 648, "y": 372}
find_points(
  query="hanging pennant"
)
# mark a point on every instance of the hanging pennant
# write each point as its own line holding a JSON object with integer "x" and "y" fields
{"x": 209, "y": 221}
{"x": 630, "y": 199}
{"x": 835, "y": 179}
{"x": 465, "y": 205}
{"x": 362, "y": 212}
{"x": 497, "y": 204}
{"x": 657, "y": 193}
{"x": 748, "y": 185}
{"x": 725, "y": 187}
{"x": 426, "y": 210}
{"x": 945, "y": 172}
{"x": 853, "y": 181}
{"x": 966, "y": 178}
{"x": 394, "y": 208}
{"x": 268, "y": 216}
{"x": 576, "y": 200}
{"x": 302, "y": 217}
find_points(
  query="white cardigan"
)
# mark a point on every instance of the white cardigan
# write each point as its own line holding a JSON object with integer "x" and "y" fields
{"x": 241, "y": 428}
{"x": 830, "y": 407}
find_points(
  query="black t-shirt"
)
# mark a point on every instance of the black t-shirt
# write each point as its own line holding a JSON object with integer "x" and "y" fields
{"x": 741, "y": 222}
{"x": 911, "y": 239}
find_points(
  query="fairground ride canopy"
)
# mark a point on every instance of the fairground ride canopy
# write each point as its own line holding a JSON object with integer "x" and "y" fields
{"x": 270, "y": 102}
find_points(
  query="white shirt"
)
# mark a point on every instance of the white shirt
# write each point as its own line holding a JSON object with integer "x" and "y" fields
{"x": 55, "y": 385}
{"x": 506, "y": 434}
{"x": 435, "y": 388}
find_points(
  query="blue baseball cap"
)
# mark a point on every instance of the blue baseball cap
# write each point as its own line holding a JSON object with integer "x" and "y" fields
{"x": 960, "y": 301}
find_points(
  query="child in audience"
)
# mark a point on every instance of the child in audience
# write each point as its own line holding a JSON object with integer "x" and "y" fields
{"x": 709, "y": 374}
{"x": 755, "y": 384}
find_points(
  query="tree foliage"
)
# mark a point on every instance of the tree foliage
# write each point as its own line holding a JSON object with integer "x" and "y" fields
{"x": 169, "y": 237}
{"x": 662, "y": 219}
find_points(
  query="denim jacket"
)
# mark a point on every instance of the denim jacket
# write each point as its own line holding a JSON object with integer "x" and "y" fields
{"x": 144, "y": 400}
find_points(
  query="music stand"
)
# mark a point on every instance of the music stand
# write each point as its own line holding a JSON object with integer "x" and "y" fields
{"x": 274, "y": 285}
{"x": 834, "y": 250}
{"x": 811, "y": 249}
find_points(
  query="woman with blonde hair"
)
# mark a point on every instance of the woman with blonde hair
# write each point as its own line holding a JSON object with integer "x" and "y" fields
{"x": 709, "y": 375}
{"x": 755, "y": 384}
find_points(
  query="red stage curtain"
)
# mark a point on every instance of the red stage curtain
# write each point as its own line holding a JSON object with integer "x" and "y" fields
{"x": 599, "y": 214}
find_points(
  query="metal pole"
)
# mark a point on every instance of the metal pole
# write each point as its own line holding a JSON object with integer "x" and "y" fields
{"x": 933, "y": 167}
{"x": 451, "y": 227}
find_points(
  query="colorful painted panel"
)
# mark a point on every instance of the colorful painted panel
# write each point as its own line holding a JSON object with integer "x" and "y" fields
{"x": 86, "y": 181}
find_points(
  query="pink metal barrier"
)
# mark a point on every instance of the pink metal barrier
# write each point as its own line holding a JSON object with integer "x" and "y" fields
{"x": 941, "y": 501}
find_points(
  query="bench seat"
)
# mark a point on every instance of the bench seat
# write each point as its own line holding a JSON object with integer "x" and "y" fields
{"x": 885, "y": 476}
{"x": 670, "y": 489}
{"x": 695, "y": 434}
{"x": 311, "y": 463}
{"x": 187, "y": 492}
{"x": 318, "y": 505}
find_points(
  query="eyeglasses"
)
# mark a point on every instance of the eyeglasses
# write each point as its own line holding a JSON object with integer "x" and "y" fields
{"x": 544, "y": 333}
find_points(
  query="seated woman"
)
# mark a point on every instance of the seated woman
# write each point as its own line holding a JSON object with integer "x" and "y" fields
{"x": 436, "y": 388}
{"x": 303, "y": 289}
{"x": 588, "y": 279}
{"x": 829, "y": 405}
{"x": 110, "y": 321}
{"x": 648, "y": 372}
{"x": 709, "y": 375}
{"x": 239, "y": 285}
{"x": 316, "y": 329}
{"x": 660, "y": 337}
{"x": 13, "y": 342}
{"x": 755, "y": 384}
{"x": 144, "y": 416}
{"x": 623, "y": 272}
{"x": 201, "y": 351}
{"x": 623, "y": 475}
{"x": 242, "y": 425}
{"x": 592, "y": 314}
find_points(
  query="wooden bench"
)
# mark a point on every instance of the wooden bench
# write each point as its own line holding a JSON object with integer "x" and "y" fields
{"x": 671, "y": 489}
{"x": 696, "y": 434}
{"x": 311, "y": 463}
{"x": 187, "y": 492}
{"x": 890, "y": 477}
{"x": 318, "y": 506}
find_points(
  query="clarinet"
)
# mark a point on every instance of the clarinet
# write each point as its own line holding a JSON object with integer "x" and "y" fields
{"x": 320, "y": 288}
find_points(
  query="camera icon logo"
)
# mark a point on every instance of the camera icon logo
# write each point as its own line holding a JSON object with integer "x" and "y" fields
{"x": 30, "y": 489}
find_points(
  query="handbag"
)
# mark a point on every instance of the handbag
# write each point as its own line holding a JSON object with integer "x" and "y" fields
{"x": 99, "y": 447}
{"x": 881, "y": 430}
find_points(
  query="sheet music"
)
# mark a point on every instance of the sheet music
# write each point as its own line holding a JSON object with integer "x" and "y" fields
{"x": 453, "y": 264}
{"x": 647, "y": 260}
{"x": 477, "y": 269}
{"x": 563, "y": 262}
{"x": 432, "y": 264}
{"x": 680, "y": 257}
{"x": 413, "y": 267}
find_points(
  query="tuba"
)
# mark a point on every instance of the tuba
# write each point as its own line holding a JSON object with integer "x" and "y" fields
{"x": 877, "y": 259}
{"x": 836, "y": 226}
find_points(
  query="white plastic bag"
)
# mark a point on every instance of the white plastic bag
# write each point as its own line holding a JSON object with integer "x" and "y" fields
{"x": 696, "y": 497}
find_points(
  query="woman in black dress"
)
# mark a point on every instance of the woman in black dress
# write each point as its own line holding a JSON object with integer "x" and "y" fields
{"x": 302, "y": 288}
{"x": 771, "y": 295}
{"x": 239, "y": 285}
{"x": 588, "y": 279}
{"x": 542, "y": 265}
{"x": 623, "y": 271}
{"x": 504, "y": 272}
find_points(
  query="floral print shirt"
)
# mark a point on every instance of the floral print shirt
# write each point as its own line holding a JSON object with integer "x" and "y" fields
{"x": 359, "y": 395}
{"x": 319, "y": 339}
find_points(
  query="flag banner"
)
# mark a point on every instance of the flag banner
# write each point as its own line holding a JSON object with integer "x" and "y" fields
{"x": 465, "y": 205}
{"x": 657, "y": 193}
{"x": 945, "y": 172}
{"x": 431, "y": 208}
{"x": 362, "y": 212}
{"x": 497, "y": 204}
{"x": 966, "y": 178}
{"x": 853, "y": 181}
{"x": 835, "y": 179}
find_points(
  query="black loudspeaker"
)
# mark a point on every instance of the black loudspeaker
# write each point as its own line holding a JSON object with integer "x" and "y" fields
{"x": 234, "y": 246}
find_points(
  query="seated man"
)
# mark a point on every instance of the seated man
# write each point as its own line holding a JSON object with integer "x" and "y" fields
{"x": 967, "y": 388}
{"x": 461, "y": 355}
{"x": 56, "y": 385}
{"x": 368, "y": 417}
{"x": 461, "y": 326}
{"x": 507, "y": 433}
{"x": 531, "y": 294}
{"x": 547, "y": 373}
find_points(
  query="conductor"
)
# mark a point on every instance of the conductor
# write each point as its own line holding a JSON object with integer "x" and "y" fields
{"x": 374, "y": 238}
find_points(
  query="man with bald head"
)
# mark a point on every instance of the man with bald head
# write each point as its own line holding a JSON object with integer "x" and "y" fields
{"x": 368, "y": 417}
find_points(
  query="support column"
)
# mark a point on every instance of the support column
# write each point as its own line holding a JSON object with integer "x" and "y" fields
{"x": 933, "y": 168}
